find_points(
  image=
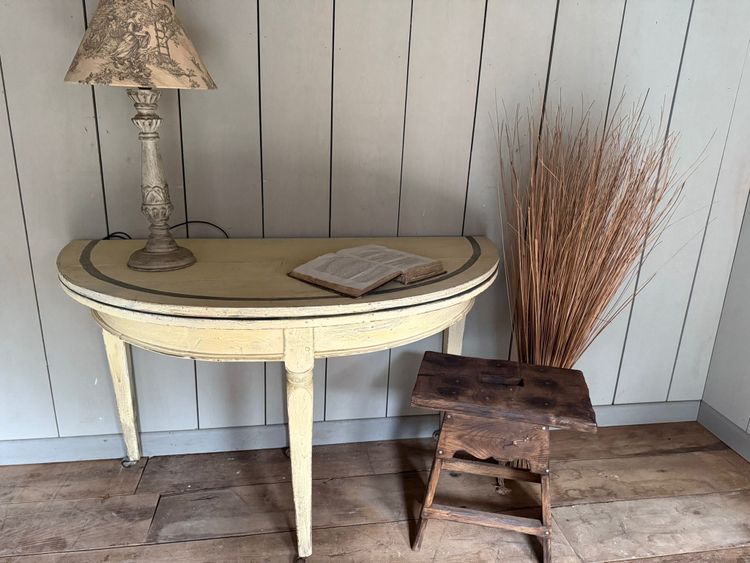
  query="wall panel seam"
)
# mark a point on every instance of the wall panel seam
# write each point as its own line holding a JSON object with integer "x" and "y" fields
{"x": 330, "y": 133}
{"x": 403, "y": 128}
{"x": 260, "y": 128}
{"x": 28, "y": 244}
{"x": 330, "y": 168}
{"x": 98, "y": 136}
{"x": 474, "y": 120}
{"x": 614, "y": 68}
{"x": 549, "y": 73}
{"x": 401, "y": 174}
{"x": 262, "y": 189}
{"x": 187, "y": 232}
{"x": 643, "y": 252}
{"x": 705, "y": 228}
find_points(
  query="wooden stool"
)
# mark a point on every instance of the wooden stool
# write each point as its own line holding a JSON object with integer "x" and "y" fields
{"x": 498, "y": 412}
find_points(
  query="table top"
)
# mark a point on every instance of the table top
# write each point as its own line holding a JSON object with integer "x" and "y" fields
{"x": 247, "y": 278}
{"x": 505, "y": 390}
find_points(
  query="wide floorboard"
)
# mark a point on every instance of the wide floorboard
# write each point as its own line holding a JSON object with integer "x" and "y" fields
{"x": 659, "y": 493}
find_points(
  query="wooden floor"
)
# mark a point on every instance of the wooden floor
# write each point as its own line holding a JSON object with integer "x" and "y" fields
{"x": 671, "y": 492}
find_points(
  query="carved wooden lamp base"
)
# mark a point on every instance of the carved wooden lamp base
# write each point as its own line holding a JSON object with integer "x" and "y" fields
{"x": 146, "y": 261}
{"x": 161, "y": 253}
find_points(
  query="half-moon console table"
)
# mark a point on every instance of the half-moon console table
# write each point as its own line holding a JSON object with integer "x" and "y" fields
{"x": 238, "y": 304}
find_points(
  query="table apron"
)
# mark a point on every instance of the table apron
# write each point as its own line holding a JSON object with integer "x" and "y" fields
{"x": 354, "y": 334}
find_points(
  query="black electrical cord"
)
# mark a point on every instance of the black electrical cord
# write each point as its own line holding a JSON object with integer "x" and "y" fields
{"x": 120, "y": 235}
{"x": 209, "y": 223}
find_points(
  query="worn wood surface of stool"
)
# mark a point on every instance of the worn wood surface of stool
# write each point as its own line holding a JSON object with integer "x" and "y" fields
{"x": 497, "y": 420}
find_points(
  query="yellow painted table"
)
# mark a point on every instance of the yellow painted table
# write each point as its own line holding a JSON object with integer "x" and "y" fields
{"x": 238, "y": 304}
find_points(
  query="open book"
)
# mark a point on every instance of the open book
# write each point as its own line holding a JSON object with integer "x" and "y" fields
{"x": 357, "y": 270}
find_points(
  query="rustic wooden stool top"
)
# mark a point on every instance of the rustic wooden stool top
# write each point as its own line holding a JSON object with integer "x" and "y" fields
{"x": 499, "y": 413}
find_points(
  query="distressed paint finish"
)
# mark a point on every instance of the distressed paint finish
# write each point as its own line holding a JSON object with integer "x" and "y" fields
{"x": 123, "y": 382}
{"x": 299, "y": 357}
{"x": 188, "y": 322}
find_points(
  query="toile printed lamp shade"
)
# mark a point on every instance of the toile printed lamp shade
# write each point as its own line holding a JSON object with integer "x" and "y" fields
{"x": 139, "y": 44}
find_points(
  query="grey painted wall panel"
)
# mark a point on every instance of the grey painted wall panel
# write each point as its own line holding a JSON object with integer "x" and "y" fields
{"x": 507, "y": 84}
{"x": 360, "y": 68}
{"x": 715, "y": 263}
{"x": 58, "y": 166}
{"x": 645, "y": 75}
{"x": 371, "y": 42}
{"x": 231, "y": 394}
{"x": 26, "y": 409}
{"x": 405, "y": 362}
{"x": 728, "y": 385}
{"x": 660, "y": 308}
{"x": 357, "y": 386}
{"x": 580, "y": 78}
{"x": 369, "y": 85}
{"x": 443, "y": 74}
{"x": 295, "y": 74}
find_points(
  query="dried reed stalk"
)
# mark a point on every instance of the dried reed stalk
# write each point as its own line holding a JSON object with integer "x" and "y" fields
{"x": 581, "y": 207}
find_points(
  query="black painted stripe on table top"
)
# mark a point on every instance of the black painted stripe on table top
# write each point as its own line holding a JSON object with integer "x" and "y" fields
{"x": 91, "y": 269}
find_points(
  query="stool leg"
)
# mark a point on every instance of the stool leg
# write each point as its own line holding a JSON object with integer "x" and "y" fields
{"x": 546, "y": 520}
{"x": 432, "y": 482}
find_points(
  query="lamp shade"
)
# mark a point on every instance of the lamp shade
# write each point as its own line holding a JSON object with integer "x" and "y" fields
{"x": 138, "y": 43}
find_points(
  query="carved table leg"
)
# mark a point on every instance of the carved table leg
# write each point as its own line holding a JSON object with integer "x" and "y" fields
{"x": 121, "y": 369}
{"x": 453, "y": 337}
{"x": 299, "y": 358}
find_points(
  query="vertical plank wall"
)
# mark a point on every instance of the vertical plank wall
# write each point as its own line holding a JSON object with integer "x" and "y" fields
{"x": 356, "y": 118}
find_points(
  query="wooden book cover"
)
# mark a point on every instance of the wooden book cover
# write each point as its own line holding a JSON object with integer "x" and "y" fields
{"x": 358, "y": 270}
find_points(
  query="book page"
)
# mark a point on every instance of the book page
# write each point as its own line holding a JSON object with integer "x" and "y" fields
{"x": 347, "y": 271}
{"x": 382, "y": 255}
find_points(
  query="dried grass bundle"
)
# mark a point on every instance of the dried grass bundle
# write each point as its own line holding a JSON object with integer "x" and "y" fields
{"x": 581, "y": 206}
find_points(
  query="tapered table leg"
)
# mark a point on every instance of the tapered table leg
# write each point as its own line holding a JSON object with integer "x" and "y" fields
{"x": 299, "y": 358}
{"x": 453, "y": 337}
{"x": 121, "y": 369}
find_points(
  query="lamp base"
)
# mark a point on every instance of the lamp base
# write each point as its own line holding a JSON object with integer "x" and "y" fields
{"x": 145, "y": 261}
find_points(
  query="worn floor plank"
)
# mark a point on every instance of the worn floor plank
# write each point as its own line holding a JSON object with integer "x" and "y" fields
{"x": 627, "y": 441}
{"x": 59, "y": 525}
{"x": 661, "y": 493}
{"x": 656, "y": 527}
{"x": 389, "y": 497}
{"x": 270, "y": 508}
{"x": 184, "y": 473}
{"x": 444, "y": 541}
{"x": 641, "y": 477}
{"x": 67, "y": 481}
{"x": 175, "y": 474}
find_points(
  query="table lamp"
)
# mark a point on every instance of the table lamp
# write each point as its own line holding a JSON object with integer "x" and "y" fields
{"x": 141, "y": 45}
